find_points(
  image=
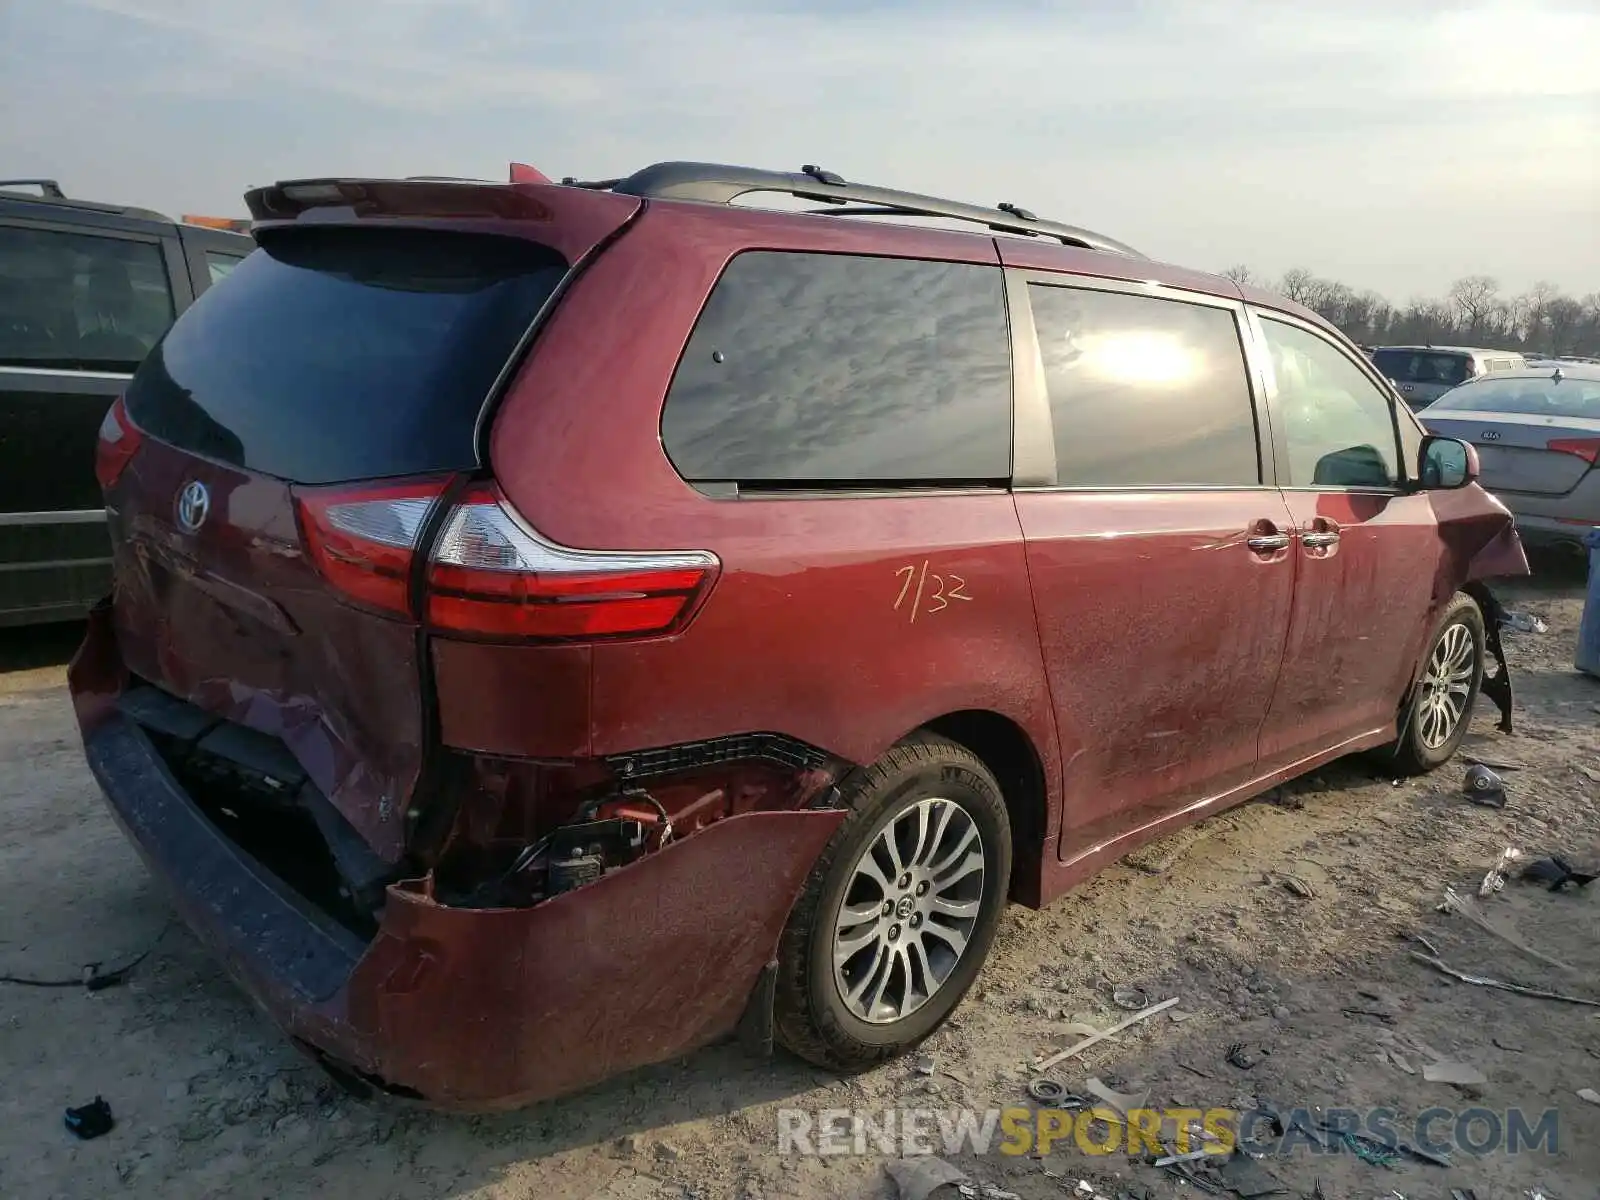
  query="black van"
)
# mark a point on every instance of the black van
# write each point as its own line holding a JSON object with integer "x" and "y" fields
{"x": 85, "y": 290}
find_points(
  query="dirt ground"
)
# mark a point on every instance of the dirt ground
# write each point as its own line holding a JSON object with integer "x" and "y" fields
{"x": 1320, "y": 990}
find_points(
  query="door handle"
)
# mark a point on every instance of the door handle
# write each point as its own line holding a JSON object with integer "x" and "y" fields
{"x": 1319, "y": 539}
{"x": 1266, "y": 543}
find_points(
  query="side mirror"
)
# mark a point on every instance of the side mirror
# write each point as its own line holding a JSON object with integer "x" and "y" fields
{"x": 1446, "y": 463}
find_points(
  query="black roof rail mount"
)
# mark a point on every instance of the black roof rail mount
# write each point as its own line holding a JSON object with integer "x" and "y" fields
{"x": 47, "y": 187}
{"x": 714, "y": 183}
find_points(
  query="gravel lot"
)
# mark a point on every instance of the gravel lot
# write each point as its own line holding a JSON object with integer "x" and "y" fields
{"x": 1320, "y": 989}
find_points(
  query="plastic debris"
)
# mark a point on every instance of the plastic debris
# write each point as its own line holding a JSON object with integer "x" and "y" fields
{"x": 1483, "y": 786}
{"x": 1524, "y": 622}
{"x": 1129, "y": 998}
{"x": 91, "y": 1120}
{"x": 926, "y": 1065}
{"x": 1096, "y": 1039}
{"x": 1469, "y": 909}
{"x": 1557, "y": 872}
{"x": 1120, "y": 1103}
{"x": 1589, "y": 1094}
{"x": 919, "y": 1178}
{"x": 1459, "y": 1073}
{"x": 1239, "y": 1057}
{"x": 1496, "y": 878}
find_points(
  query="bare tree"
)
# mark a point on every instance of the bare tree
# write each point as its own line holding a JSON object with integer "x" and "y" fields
{"x": 1474, "y": 300}
{"x": 1240, "y": 273}
{"x": 1297, "y": 284}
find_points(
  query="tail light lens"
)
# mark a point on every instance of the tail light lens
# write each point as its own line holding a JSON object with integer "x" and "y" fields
{"x": 491, "y": 575}
{"x": 119, "y": 442}
{"x": 1587, "y": 449}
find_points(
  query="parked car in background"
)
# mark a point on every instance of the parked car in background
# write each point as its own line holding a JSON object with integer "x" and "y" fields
{"x": 1537, "y": 434}
{"x": 85, "y": 290}
{"x": 557, "y": 625}
{"x": 1424, "y": 373}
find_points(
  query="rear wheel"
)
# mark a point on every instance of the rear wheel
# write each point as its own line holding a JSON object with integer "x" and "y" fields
{"x": 1441, "y": 709}
{"x": 900, "y": 909}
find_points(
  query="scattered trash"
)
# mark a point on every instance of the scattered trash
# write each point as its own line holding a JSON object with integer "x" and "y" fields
{"x": 1463, "y": 1194}
{"x": 961, "y": 1079}
{"x": 1468, "y": 908}
{"x": 1501, "y": 985}
{"x": 1295, "y": 884}
{"x": 1246, "y": 1178}
{"x": 1557, "y": 872}
{"x": 1179, "y": 1016}
{"x": 1474, "y": 760}
{"x": 1129, "y": 998}
{"x": 1588, "y": 773}
{"x": 1425, "y": 944}
{"x": 1496, "y": 878}
{"x": 1120, "y": 1103}
{"x": 1402, "y": 1062}
{"x": 1054, "y": 1093}
{"x": 1096, "y": 1039}
{"x": 926, "y": 1065}
{"x": 1194, "y": 1070}
{"x": 1083, "y": 1029}
{"x": 1589, "y": 1094}
{"x": 1239, "y": 1057}
{"x": 1459, "y": 1073}
{"x": 919, "y": 1178}
{"x": 92, "y": 978}
{"x": 990, "y": 1192}
{"x": 1192, "y": 1156}
{"x": 1483, "y": 786}
{"x": 1524, "y": 622}
{"x": 91, "y": 1120}
{"x": 1505, "y": 1043}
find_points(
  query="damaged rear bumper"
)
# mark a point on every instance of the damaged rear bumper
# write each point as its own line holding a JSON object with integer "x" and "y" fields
{"x": 472, "y": 1008}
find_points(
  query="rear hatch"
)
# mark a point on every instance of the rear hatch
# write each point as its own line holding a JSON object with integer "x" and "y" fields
{"x": 282, "y": 450}
{"x": 1533, "y": 436}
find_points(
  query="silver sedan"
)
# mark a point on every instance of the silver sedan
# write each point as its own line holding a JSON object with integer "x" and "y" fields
{"x": 1537, "y": 432}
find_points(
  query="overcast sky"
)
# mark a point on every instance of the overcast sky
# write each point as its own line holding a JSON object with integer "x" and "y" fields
{"x": 1393, "y": 144}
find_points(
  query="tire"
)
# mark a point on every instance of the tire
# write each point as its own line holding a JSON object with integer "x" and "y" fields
{"x": 1433, "y": 734}
{"x": 923, "y": 779}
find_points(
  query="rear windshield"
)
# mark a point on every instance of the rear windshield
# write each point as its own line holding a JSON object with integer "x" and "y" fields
{"x": 341, "y": 354}
{"x": 1422, "y": 366}
{"x": 1539, "y": 397}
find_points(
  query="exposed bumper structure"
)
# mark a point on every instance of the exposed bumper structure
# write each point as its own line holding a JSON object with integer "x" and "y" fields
{"x": 469, "y": 1008}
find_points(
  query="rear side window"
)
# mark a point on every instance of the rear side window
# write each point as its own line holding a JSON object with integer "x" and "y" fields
{"x": 340, "y": 354}
{"x": 1542, "y": 396}
{"x": 1145, "y": 392}
{"x": 837, "y": 370}
{"x": 74, "y": 301}
{"x": 1423, "y": 366}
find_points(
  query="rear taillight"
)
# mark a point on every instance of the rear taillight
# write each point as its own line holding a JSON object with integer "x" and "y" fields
{"x": 1587, "y": 449}
{"x": 491, "y": 575}
{"x": 119, "y": 442}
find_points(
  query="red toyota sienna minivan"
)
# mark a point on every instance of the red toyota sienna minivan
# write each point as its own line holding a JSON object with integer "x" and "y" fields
{"x": 558, "y": 625}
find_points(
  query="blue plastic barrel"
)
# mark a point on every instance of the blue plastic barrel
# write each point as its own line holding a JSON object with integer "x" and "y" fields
{"x": 1588, "y": 657}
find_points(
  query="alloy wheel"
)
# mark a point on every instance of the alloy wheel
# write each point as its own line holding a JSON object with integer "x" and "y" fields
{"x": 1446, "y": 686}
{"x": 911, "y": 903}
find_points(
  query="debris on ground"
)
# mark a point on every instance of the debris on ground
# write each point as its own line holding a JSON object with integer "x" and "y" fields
{"x": 1483, "y": 786}
{"x": 1129, "y": 998}
{"x": 1557, "y": 872}
{"x": 92, "y": 978}
{"x": 1468, "y": 908}
{"x": 1496, "y": 878}
{"x": 926, "y": 1065}
{"x": 1293, "y": 883}
{"x": 1122, "y": 1103}
{"x": 90, "y": 1120}
{"x": 1240, "y": 1057}
{"x": 1247, "y": 1179}
{"x": 1459, "y": 1073}
{"x": 1524, "y": 622}
{"x": 1483, "y": 981}
{"x": 919, "y": 1178}
{"x": 1096, "y": 1039}
{"x": 1589, "y": 1094}
{"x": 1054, "y": 1093}
{"x": 1588, "y": 773}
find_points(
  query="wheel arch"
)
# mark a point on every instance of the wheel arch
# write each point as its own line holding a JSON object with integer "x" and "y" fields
{"x": 1010, "y": 754}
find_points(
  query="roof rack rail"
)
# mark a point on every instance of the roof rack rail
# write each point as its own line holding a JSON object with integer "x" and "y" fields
{"x": 718, "y": 184}
{"x": 47, "y": 187}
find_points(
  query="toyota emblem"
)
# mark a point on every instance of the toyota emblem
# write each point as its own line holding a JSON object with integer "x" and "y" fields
{"x": 194, "y": 504}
